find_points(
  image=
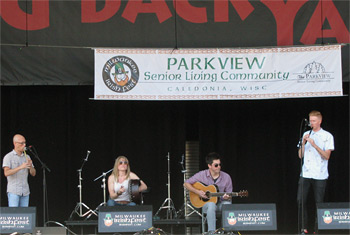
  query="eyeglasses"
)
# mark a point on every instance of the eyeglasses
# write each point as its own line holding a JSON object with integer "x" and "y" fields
{"x": 217, "y": 164}
{"x": 125, "y": 162}
{"x": 21, "y": 143}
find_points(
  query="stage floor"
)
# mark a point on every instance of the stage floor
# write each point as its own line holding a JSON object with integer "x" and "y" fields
{"x": 176, "y": 226}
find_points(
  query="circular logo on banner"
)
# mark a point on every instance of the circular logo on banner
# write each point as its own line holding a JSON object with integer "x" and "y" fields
{"x": 120, "y": 74}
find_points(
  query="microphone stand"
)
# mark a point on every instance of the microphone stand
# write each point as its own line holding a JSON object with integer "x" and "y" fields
{"x": 103, "y": 186}
{"x": 300, "y": 146}
{"x": 171, "y": 211}
{"x": 186, "y": 205}
{"x": 44, "y": 167}
{"x": 80, "y": 204}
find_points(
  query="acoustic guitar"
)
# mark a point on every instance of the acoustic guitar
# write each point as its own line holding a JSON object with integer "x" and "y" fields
{"x": 212, "y": 192}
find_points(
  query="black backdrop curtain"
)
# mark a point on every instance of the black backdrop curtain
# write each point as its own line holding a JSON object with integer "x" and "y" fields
{"x": 257, "y": 139}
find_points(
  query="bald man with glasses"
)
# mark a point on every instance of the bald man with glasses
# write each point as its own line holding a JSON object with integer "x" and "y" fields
{"x": 17, "y": 165}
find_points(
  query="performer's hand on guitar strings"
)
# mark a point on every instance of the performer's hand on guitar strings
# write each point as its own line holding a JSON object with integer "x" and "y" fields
{"x": 202, "y": 194}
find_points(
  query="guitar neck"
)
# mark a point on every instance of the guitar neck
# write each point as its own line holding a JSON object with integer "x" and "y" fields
{"x": 233, "y": 194}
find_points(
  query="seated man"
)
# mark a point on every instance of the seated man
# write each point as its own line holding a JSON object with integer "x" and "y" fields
{"x": 213, "y": 175}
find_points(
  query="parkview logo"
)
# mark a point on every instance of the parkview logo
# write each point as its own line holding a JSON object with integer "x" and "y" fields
{"x": 315, "y": 72}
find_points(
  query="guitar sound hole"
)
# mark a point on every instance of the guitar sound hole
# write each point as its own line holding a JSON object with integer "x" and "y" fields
{"x": 208, "y": 197}
{"x": 204, "y": 199}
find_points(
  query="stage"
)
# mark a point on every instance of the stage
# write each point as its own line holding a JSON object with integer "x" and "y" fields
{"x": 174, "y": 226}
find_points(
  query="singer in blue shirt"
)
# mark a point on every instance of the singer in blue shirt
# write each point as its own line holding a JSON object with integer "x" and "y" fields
{"x": 316, "y": 149}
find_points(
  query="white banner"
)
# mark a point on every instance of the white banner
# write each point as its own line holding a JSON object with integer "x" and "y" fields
{"x": 218, "y": 74}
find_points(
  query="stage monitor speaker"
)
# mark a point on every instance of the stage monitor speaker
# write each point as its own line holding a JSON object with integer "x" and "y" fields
{"x": 249, "y": 217}
{"x": 17, "y": 219}
{"x": 333, "y": 215}
{"x": 112, "y": 219}
{"x": 50, "y": 230}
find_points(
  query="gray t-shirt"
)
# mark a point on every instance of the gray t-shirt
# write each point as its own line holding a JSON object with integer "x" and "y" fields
{"x": 18, "y": 182}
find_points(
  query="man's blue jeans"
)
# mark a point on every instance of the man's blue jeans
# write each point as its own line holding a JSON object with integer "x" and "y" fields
{"x": 18, "y": 201}
{"x": 210, "y": 209}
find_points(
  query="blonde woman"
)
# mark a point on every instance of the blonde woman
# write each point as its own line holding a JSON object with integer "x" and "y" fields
{"x": 118, "y": 183}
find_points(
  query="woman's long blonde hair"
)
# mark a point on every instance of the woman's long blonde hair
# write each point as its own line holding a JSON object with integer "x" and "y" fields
{"x": 116, "y": 164}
